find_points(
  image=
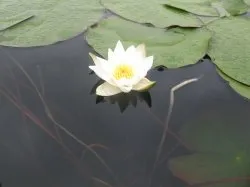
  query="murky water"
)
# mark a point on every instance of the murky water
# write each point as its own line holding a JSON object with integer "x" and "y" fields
{"x": 112, "y": 141}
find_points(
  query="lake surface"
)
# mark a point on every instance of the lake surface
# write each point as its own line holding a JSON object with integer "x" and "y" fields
{"x": 124, "y": 131}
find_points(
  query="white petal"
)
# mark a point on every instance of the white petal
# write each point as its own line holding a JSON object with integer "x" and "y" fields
{"x": 101, "y": 63}
{"x": 110, "y": 54}
{"x": 100, "y": 73}
{"x": 148, "y": 63}
{"x": 130, "y": 50}
{"x": 107, "y": 89}
{"x": 141, "y": 49}
{"x": 124, "y": 84}
{"x": 144, "y": 84}
{"x": 119, "y": 50}
{"x": 126, "y": 88}
{"x": 97, "y": 60}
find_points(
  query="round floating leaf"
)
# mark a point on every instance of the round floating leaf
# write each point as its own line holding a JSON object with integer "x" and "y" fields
{"x": 229, "y": 47}
{"x": 213, "y": 169}
{"x": 151, "y": 11}
{"x": 53, "y": 20}
{"x": 172, "y": 48}
{"x": 237, "y": 86}
{"x": 202, "y": 8}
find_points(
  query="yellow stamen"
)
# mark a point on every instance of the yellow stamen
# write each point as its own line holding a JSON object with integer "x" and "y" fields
{"x": 123, "y": 71}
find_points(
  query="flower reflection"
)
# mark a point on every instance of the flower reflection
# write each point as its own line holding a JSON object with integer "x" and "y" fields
{"x": 123, "y": 99}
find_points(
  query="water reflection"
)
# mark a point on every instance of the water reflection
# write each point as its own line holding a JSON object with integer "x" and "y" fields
{"x": 208, "y": 118}
{"x": 123, "y": 100}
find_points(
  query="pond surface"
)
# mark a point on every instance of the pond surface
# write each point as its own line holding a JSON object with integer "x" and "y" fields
{"x": 66, "y": 136}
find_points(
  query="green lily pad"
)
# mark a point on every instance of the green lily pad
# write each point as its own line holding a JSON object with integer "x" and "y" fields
{"x": 220, "y": 140}
{"x": 172, "y": 48}
{"x": 213, "y": 169}
{"x": 229, "y": 47}
{"x": 14, "y": 20}
{"x": 235, "y": 7}
{"x": 211, "y": 7}
{"x": 237, "y": 86}
{"x": 247, "y": 2}
{"x": 151, "y": 11}
{"x": 53, "y": 20}
{"x": 201, "y": 7}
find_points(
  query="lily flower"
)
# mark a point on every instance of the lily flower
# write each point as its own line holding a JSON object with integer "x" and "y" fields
{"x": 124, "y": 71}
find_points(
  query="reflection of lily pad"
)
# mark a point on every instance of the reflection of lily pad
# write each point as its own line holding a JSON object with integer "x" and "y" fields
{"x": 214, "y": 169}
{"x": 220, "y": 139}
{"x": 230, "y": 47}
{"x": 151, "y": 11}
{"x": 53, "y": 20}
{"x": 237, "y": 86}
{"x": 172, "y": 48}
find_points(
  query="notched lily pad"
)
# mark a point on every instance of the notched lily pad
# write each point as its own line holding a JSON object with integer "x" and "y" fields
{"x": 240, "y": 88}
{"x": 229, "y": 47}
{"x": 172, "y": 48}
{"x": 152, "y": 11}
{"x": 53, "y": 21}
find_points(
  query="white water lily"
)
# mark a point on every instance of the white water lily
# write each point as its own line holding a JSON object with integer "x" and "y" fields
{"x": 124, "y": 71}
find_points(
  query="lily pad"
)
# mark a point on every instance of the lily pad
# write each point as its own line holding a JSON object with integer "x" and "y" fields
{"x": 214, "y": 170}
{"x": 201, "y": 7}
{"x": 14, "y": 20}
{"x": 151, "y": 11}
{"x": 172, "y": 48}
{"x": 247, "y": 2}
{"x": 237, "y": 86}
{"x": 222, "y": 151}
{"x": 53, "y": 20}
{"x": 229, "y": 47}
{"x": 235, "y": 7}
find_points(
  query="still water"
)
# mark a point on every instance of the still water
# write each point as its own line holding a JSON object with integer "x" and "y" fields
{"x": 66, "y": 136}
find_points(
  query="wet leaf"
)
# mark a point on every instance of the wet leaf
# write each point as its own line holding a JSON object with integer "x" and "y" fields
{"x": 229, "y": 48}
{"x": 151, "y": 11}
{"x": 53, "y": 20}
{"x": 172, "y": 48}
{"x": 237, "y": 86}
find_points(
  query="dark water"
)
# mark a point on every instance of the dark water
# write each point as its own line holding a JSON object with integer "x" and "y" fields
{"x": 125, "y": 131}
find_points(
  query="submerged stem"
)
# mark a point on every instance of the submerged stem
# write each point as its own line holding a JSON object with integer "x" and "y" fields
{"x": 170, "y": 108}
{"x": 50, "y": 116}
